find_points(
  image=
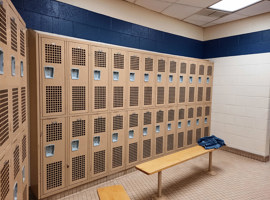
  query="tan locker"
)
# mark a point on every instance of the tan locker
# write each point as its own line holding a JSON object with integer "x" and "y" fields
{"x": 78, "y": 145}
{"x": 182, "y": 82}
{"x": 192, "y": 82}
{"x": 118, "y": 79}
{"x": 172, "y": 80}
{"x": 78, "y": 77}
{"x": 159, "y": 132}
{"x": 170, "y": 129}
{"x": 99, "y": 145}
{"x": 207, "y": 120}
{"x": 100, "y": 78}
{"x": 190, "y": 126}
{"x": 201, "y": 83}
{"x": 199, "y": 122}
{"x": 133, "y": 154}
{"x": 148, "y": 80}
{"x": 52, "y": 77}
{"x": 134, "y": 83}
{"x": 53, "y": 155}
{"x": 209, "y": 73}
{"x": 117, "y": 141}
{"x": 24, "y": 167}
{"x": 161, "y": 81}
{"x": 6, "y": 173}
{"x": 181, "y": 126}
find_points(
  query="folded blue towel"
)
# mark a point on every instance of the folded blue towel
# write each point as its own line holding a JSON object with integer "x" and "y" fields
{"x": 211, "y": 142}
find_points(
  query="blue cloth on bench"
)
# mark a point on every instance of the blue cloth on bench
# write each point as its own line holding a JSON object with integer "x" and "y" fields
{"x": 211, "y": 142}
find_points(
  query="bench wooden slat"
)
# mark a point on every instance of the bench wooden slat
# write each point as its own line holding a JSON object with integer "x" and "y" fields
{"x": 115, "y": 192}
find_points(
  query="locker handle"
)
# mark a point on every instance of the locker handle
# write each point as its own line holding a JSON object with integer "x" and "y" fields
{"x": 67, "y": 166}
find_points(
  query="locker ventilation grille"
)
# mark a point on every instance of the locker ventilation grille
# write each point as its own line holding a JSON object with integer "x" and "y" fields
{"x": 23, "y": 148}
{"x": 182, "y": 94}
{"x": 170, "y": 115}
{"x": 160, "y": 95}
{"x": 99, "y": 162}
{"x": 15, "y": 106}
{"x": 100, "y": 125}
{"x": 133, "y": 150}
{"x": 199, "y": 111}
{"x": 100, "y": 59}
{"x": 134, "y": 62}
{"x": 190, "y": 113}
{"x": 118, "y": 97}
{"x": 160, "y": 115}
{"x": 3, "y": 29}
{"x": 22, "y": 43}
{"x": 172, "y": 67}
{"x": 13, "y": 27}
{"x": 201, "y": 70}
{"x": 146, "y": 148}
{"x": 118, "y": 122}
{"x": 78, "y": 168}
{"x": 78, "y": 98}
{"x": 133, "y": 120}
{"x": 134, "y": 96}
{"x": 54, "y": 175}
{"x": 206, "y": 131}
{"x": 78, "y": 128}
{"x": 180, "y": 140}
{"x": 53, "y": 54}
{"x": 100, "y": 97}
{"x": 161, "y": 65}
{"x": 208, "y": 93}
{"x": 172, "y": 95}
{"x": 117, "y": 157}
{"x": 4, "y": 131}
{"x": 25, "y": 193}
{"x": 198, "y": 133}
{"x": 191, "y": 94}
{"x": 53, "y": 132}
{"x": 23, "y": 106}
{"x": 148, "y": 96}
{"x": 147, "y": 118}
{"x": 183, "y": 68}
{"x": 53, "y": 99}
{"x": 159, "y": 145}
{"x": 209, "y": 70}
{"x": 78, "y": 56}
{"x": 118, "y": 61}
{"x": 16, "y": 160}
{"x": 189, "y": 137}
{"x": 148, "y": 64}
{"x": 200, "y": 94}
{"x": 170, "y": 139}
{"x": 4, "y": 180}
{"x": 181, "y": 114}
{"x": 207, "y": 110}
{"x": 192, "y": 69}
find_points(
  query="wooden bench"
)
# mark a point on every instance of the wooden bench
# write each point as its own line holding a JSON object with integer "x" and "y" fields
{"x": 115, "y": 192}
{"x": 159, "y": 164}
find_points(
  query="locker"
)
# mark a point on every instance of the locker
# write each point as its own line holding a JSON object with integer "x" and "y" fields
{"x": 192, "y": 82}
{"x": 182, "y": 82}
{"x": 6, "y": 173}
{"x": 172, "y": 80}
{"x": 209, "y": 75}
{"x": 161, "y": 81}
{"x": 208, "y": 84}
{"x": 199, "y": 122}
{"x": 190, "y": 126}
{"x": 181, "y": 126}
{"x": 170, "y": 129}
{"x": 201, "y": 82}
{"x": 207, "y": 120}
{"x": 159, "y": 132}
{"x": 24, "y": 166}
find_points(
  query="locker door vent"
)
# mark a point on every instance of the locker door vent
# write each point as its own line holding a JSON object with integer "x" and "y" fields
{"x": 198, "y": 133}
{"x": 199, "y": 111}
{"x": 172, "y": 67}
{"x": 4, "y": 130}
{"x": 23, "y": 148}
{"x": 160, "y": 95}
{"x": 208, "y": 93}
{"x": 161, "y": 65}
{"x": 118, "y": 122}
{"x": 181, "y": 114}
{"x": 160, "y": 116}
{"x": 78, "y": 56}
{"x": 78, "y": 128}
{"x": 22, "y": 43}
{"x": 100, "y": 59}
{"x": 201, "y": 70}
{"x": 148, "y": 64}
{"x": 133, "y": 151}
{"x": 53, "y": 99}
{"x": 4, "y": 178}
{"x": 117, "y": 160}
{"x": 134, "y": 62}
{"x": 192, "y": 69}
{"x": 147, "y": 118}
{"x": 53, "y": 53}
{"x": 3, "y": 29}
{"x": 53, "y": 132}
{"x": 118, "y": 97}
{"x": 190, "y": 113}
{"x": 15, "y": 106}
{"x": 133, "y": 120}
{"x": 200, "y": 94}
{"x": 180, "y": 140}
{"x": 189, "y": 137}
{"x": 78, "y": 98}
{"x": 25, "y": 193}
{"x": 159, "y": 145}
{"x": 13, "y": 27}
{"x": 170, "y": 141}
{"x": 209, "y": 70}
{"x": 118, "y": 61}
{"x": 182, "y": 94}
{"x": 183, "y": 68}
{"x": 134, "y": 96}
{"x": 100, "y": 97}
{"x": 206, "y": 131}
{"x": 170, "y": 115}
{"x": 148, "y": 96}
{"x": 16, "y": 160}
{"x": 78, "y": 168}
{"x": 191, "y": 94}
{"x": 100, "y": 125}
{"x": 99, "y": 161}
{"x": 54, "y": 175}
{"x": 23, "y": 104}
{"x": 146, "y": 148}
{"x": 172, "y": 95}
{"x": 207, "y": 110}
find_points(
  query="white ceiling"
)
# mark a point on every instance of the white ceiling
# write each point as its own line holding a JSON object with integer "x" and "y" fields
{"x": 197, "y": 11}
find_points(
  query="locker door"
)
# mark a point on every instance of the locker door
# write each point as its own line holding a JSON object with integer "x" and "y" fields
{"x": 200, "y": 83}
{"x": 182, "y": 83}
{"x": 199, "y": 122}
{"x": 207, "y": 120}
{"x": 208, "y": 84}
{"x": 171, "y": 129}
{"x": 172, "y": 80}
{"x": 6, "y": 173}
{"x": 192, "y": 82}
{"x": 24, "y": 166}
{"x": 159, "y": 138}
{"x": 161, "y": 81}
{"x": 190, "y": 125}
{"x": 147, "y": 134}
{"x": 181, "y": 127}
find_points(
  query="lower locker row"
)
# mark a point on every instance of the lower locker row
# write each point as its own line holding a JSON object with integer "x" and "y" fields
{"x": 85, "y": 148}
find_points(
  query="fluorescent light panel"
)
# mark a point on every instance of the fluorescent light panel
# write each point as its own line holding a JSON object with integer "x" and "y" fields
{"x": 233, "y": 5}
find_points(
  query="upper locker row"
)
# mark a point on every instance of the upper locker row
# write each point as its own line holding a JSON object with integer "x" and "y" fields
{"x": 96, "y": 79}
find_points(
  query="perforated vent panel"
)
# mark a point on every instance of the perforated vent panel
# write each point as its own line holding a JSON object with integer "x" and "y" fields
{"x": 118, "y": 122}
{"x": 78, "y": 56}
{"x": 15, "y": 106}
{"x": 4, "y": 180}
{"x": 180, "y": 140}
{"x": 183, "y": 68}
{"x": 78, "y": 168}
{"x": 190, "y": 113}
{"x": 22, "y": 43}
{"x": 53, "y": 99}
{"x": 146, "y": 148}
{"x": 172, "y": 67}
{"x": 117, "y": 157}
{"x": 23, "y": 148}
{"x": 134, "y": 62}
{"x": 170, "y": 141}
{"x": 189, "y": 137}
{"x": 3, "y": 22}
{"x": 147, "y": 118}
{"x": 16, "y": 161}
{"x": 160, "y": 115}
{"x": 148, "y": 64}
{"x": 161, "y": 65}
{"x": 148, "y": 96}
{"x": 201, "y": 70}
{"x": 100, "y": 59}
{"x": 209, "y": 70}
{"x": 118, "y": 97}
{"x": 172, "y": 95}
{"x": 78, "y": 128}
{"x": 54, "y": 132}
{"x": 54, "y": 175}
{"x": 53, "y": 54}
{"x": 206, "y": 131}
{"x": 100, "y": 97}
{"x": 208, "y": 93}
{"x": 207, "y": 110}
{"x": 199, "y": 111}
{"x": 170, "y": 115}
{"x": 182, "y": 94}
{"x": 13, "y": 27}
{"x": 192, "y": 69}
{"x": 133, "y": 120}
{"x": 99, "y": 162}
{"x": 100, "y": 125}
{"x": 200, "y": 94}
{"x": 133, "y": 151}
{"x": 118, "y": 61}
{"x": 198, "y": 133}
{"x": 4, "y": 130}
{"x": 78, "y": 98}
{"x": 23, "y": 104}
{"x": 181, "y": 114}
{"x": 134, "y": 96}
{"x": 159, "y": 145}
{"x": 160, "y": 95}
{"x": 191, "y": 94}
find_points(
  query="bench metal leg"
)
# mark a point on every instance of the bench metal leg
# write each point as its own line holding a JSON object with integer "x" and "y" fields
{"x": 210, "y": 162}
{"x": 159, "y": 183}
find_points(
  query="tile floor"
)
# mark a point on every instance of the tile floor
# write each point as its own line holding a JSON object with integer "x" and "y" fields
{"x": 237, "y": 178}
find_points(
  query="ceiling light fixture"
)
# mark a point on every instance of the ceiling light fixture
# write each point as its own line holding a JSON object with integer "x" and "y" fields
{"x": 232, "y": 5}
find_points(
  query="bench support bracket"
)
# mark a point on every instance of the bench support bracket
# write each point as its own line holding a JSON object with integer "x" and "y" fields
{"x": 159, "y": 183}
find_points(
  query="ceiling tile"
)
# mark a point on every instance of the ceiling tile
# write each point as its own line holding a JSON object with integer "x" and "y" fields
{"x": 256, "y": 9}
{"x": 229, "y": 18}
{"x": 131, "y": 1}
{"x": 198, "y": 3}
{"x": 155, "y": 5}
{"x": 199, "y": 19}
{"x": 209, "y": 24}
